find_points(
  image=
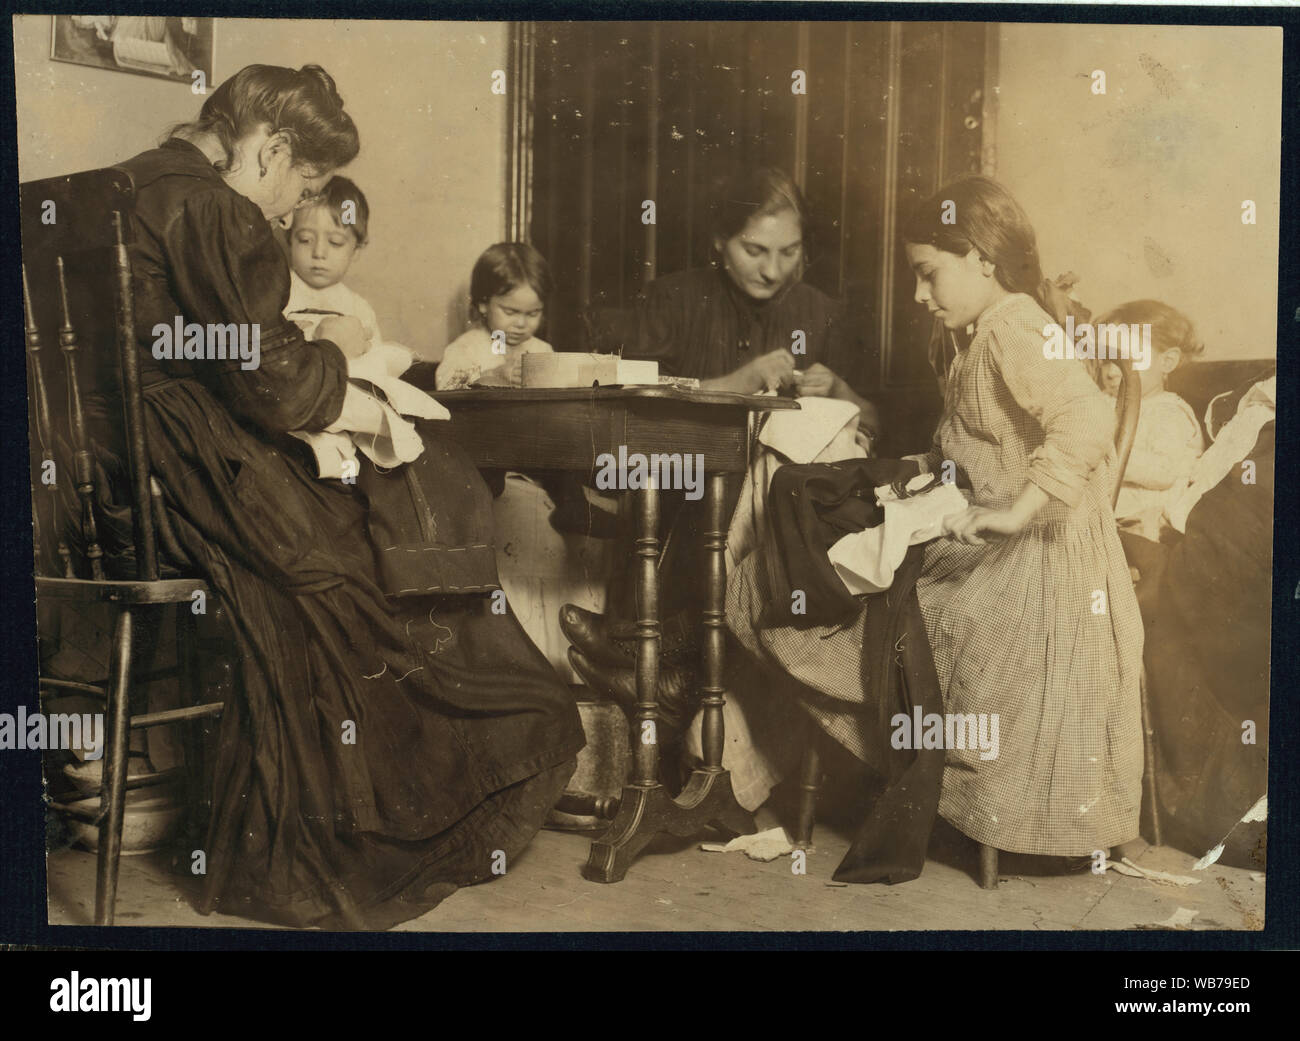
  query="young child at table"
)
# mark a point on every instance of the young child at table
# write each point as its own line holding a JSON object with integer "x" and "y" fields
{"x": 1168, "y": 439}
{"x": 325, "y": 238}
{"x": 429, "y": 542}
{"x": 508, "y": 290}
{"x": 324, "y": 241}
{"x": 543, "y": 563}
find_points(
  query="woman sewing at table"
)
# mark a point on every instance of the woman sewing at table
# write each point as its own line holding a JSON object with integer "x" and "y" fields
{"x": 746, "y": 324}
{"x": 737, "y": 324}
{"x": 378, "y": 752}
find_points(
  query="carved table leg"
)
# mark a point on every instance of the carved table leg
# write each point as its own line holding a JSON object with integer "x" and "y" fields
{"x": 646, "y": 809}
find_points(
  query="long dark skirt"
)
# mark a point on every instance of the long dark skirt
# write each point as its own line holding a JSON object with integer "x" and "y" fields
{"x": 379, "y": 752}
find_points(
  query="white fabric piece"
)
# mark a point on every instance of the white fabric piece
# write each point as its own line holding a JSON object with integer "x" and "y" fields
{"x": 368, "y": 422}
{"x": 394, "y": 443}
{"x": 376, "y": 366}
{"x": 764, "y": 845}
{"x": 1235, "y": 440}
{"x": 819, "y": 424}
{"x": 866, "y": 560}
{"x": 1164, "y": 878}
{"x": 333, "y": 452}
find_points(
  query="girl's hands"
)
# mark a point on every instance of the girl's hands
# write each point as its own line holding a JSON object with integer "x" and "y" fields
{"x": 970, "y": 524}
{"x": 510, "y": 373}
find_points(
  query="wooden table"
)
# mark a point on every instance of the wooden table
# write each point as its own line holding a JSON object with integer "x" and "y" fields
{"x": 568, "y": 429}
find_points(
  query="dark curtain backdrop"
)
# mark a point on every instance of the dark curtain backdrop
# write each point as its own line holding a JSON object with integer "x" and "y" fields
{"x": 608, "y": 115}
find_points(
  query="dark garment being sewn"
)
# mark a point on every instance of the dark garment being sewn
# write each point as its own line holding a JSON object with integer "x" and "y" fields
{"x": 431, "y": 521}
{"x": 810, "y": 508}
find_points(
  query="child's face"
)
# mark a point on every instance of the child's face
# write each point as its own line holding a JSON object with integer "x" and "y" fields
{"x": 320, "y": 249}
{"x": 1152, "y": 378}
{"x": 954, "y": 289}
{"x": 517, "y": 313}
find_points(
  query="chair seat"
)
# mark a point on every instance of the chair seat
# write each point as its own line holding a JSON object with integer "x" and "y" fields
{"x": 159, "y": 591}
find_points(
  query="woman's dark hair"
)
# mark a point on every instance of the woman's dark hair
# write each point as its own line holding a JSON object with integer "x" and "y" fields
{"x": 979, "y": 213}
{"x": 757, "y": 192}
{"x": 302, "y": 104}
{"x": 341, "y": 190}
{"x": 1169, "y": 328}
{"x": 506, "y": 266}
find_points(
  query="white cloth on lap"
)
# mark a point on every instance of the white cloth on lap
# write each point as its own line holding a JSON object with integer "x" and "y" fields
{"x": 821, "y": 429}
{"x": 372, "y": 422}
{"x": 866, "y": 560}
{"x": 1234, "y": 441}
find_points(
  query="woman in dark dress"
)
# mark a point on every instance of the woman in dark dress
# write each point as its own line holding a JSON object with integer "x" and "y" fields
{"x": 378, "y": 753}
{"x": 749, "y": 322}
{"x": 745, "y": 324}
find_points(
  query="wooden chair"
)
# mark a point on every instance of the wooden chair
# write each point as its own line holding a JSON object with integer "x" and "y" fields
{"x": 77, "y": 273}
{"x": 1128, "y": 406}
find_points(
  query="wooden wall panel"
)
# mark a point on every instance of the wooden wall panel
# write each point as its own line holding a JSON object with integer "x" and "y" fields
{"x": 627, "y": 111}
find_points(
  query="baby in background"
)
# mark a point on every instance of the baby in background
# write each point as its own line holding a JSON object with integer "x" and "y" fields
{"x": 326, "y": 236}
{"x": 508, "y": 290}
{"x": 1168, "y": 439}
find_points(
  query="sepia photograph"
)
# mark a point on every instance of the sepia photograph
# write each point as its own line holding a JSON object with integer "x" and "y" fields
{"x": 840, "y": 454}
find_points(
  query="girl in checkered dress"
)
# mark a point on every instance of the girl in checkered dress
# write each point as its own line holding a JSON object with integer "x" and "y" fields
{"x": 1028, "y": 604}
{"x": 1027, "y": 600}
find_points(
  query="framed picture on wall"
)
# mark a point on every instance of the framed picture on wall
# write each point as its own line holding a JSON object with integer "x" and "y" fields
{"x": 171, "y": 48}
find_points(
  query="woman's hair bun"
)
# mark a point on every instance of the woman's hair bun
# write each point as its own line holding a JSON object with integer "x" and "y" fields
{"x": 302, "y": 103}
{"x": 315, "y": 75}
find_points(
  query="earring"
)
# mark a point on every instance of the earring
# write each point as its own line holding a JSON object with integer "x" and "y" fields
{"x": 263, "y": 170}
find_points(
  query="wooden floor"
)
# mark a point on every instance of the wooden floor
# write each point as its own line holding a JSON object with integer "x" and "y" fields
{"x": 676, "y": 886}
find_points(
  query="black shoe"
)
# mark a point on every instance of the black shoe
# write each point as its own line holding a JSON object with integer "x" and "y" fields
{"x": 677, "y": 694}
{"x": 616, "y": 644}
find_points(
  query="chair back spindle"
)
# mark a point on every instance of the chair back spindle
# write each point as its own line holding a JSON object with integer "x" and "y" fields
{"x": 1128, "y": 406}
{"x": 45, "y": 508}
{"x": 146, "y": 549}
{"x": 82, "y": 460}
{"x": 77, "y": 234}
